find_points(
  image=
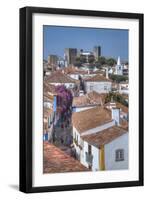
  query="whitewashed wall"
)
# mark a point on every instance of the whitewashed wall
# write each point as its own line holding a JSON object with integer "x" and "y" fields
{"x": 75, "y": 135}
{"x": 74, "y": 76}
{"x": 48, "y": 104}
{"x": 99, "y": 128}
{"x": 95, "y": 153}
{"x": 119, "y": 143}
{"x": 83, "y": 154}
{"x": 98, "y": 86}
{"x": 67, "y": 85}
{"x": 95, "y": 164}
{"x": 79, "y": 109}
{"x": 124, "y": 91}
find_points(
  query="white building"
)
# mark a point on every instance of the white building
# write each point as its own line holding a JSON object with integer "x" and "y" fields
{"x": 78, "y": 73}
{"x": 110, "y": 70}
{"x": 101, "y": 143}
{"x": 49, "y": 112}
{"x": 118, "y": 67}
{"x": 123, "y": 109}
{"x": 124, "y": 88}
{"x": 48, "y": 118}
{"x": 87, "y": 54}
{"x": 98, "y": 83}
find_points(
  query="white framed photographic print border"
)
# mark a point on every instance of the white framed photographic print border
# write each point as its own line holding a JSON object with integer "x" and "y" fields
{"x": 32, "y": 20}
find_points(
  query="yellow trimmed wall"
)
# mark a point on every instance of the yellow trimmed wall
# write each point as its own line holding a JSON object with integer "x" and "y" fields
{"x": 102, "y": 158}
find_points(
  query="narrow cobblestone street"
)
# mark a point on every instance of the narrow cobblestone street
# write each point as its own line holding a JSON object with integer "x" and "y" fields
{"x": 63, "y": 134}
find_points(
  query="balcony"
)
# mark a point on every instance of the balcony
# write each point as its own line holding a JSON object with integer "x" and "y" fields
{"x": 89, "y": 158}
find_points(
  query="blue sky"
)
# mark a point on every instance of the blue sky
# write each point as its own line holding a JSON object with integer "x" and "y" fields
{"x": 113, "y": 42}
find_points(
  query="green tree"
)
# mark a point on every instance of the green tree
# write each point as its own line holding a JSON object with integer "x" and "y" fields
{"x": 118, "y": 78}
{"x": 111, "y": 61}
{"x": 97, "y": 64}
{"x": 116, "y": 97}
{"x": 78, "y": 62}
{"x": 83, "y": 58}
{"x": 91, "y": 59}
{"x": 102, "y": 60}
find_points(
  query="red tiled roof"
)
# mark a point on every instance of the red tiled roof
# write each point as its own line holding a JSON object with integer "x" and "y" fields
{"x": 98, "y": 78}
{"x": 104, "y": 137}
{"x": 70, "y": 69}
{"x": 118, "y": 105}
{"x": 49, "y": 88}
{"x": 59, "y": 77}
{"x": 99, "y": 72}
{"x": 47, "y": 111}
{"x": 90, "y": 118}
{"x": 95, "y": 97}
{"x": 56, "y": 161}
{"x": 48, "y": 92}
{"x": 81, "y": 101}
{"x": 92, "y": 98}
{"x": 48, "y": 98}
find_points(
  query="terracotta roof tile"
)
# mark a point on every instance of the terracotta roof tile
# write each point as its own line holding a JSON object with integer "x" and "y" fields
{"x": 70, "y": 69}
{"x": 55, "y": 161}
{"x": 59, "y": 77}
{"x": 98, "y": 78}
{"x": 47, "y": 111}
{"x": 81, "y": 101}
{"x": 49, "y": 88}
{"x": 104, "y": 137}
{"x": 95, "y": 97}
{"x": 124, "y": 124}
{"x": 92, "y": 98}
{"x": 90, "y": 118}
{"x": 118, "y": 105}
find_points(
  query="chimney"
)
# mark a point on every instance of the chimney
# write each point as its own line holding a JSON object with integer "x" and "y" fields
{"x": 116, "y": 115}
{"x": 107, "y": 77}
{"x": 112, "y": 103}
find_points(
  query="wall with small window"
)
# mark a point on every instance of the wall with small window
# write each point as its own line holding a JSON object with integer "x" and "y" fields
{"x": 74, "y": 76}
{"x": 119, "y": 155}
{"x": 76, "y": 142}
{"x": 67, "y": 85}
{"x": 95, "y": 153}
{"x": 90, "y": 156}
{"x": 100, "y": 87}
{"x": 83, "y": 154}
{"x": 116, "y": 153}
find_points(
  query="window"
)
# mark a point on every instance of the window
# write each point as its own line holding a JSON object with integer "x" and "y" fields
{"x": 89, "y": 149}
{"x": 105, "y": 87}
{"x": 119, "y": 155}
{"x": 91, "y": 87}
